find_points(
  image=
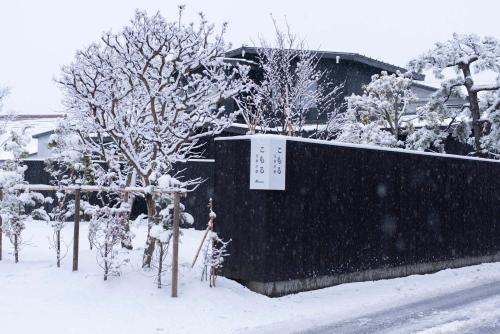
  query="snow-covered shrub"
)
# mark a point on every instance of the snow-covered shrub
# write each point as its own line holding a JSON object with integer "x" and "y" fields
{"x": 214, "y": 251}
{"x": 108, "y": 228}
{"x": 377, "y": 116}
{"x": 161, "y": 231}
{"x": 17, "y": 205}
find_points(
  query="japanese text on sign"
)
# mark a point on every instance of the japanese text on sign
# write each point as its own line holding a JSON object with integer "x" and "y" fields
{"x": 267, "y": 163}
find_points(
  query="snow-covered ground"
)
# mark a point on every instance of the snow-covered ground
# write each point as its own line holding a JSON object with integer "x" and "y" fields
{"x": 37, "y": 297}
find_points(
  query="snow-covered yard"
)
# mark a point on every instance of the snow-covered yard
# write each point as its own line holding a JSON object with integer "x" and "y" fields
{"x": 37, "y": 297}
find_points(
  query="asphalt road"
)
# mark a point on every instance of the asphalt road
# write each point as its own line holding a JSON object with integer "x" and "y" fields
{"x": 469, "y": 311}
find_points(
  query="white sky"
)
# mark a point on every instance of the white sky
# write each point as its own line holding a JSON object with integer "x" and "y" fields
{"x": 38, "y": 37}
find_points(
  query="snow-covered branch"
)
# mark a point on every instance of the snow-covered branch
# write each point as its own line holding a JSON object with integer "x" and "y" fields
{"x": 293, "y": 88}
{"x": 475, "y": 121}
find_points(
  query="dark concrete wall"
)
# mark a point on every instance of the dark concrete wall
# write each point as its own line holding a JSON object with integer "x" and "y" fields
{"x": 354, "y": 211}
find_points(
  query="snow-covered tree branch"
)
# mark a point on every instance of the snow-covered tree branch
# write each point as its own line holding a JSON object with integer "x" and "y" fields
{"x": 293, "y": 87}
{"x": 474, "y": 123}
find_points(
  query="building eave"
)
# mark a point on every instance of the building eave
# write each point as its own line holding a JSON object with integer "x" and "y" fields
{"x": 337, "y": 56}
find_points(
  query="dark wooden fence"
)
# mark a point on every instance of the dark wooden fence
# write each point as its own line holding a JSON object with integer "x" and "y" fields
{"x": 352, "y": 213}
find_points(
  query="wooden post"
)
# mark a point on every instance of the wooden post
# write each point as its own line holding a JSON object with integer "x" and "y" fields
{"x": 199, "y": 248}
{"x": 76, "y": 229}
{"x": 210, "y": 223}
{"x": 175, "y": 246}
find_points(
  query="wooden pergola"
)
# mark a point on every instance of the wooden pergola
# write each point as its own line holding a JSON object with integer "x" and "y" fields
{"x": 78, "y": 189}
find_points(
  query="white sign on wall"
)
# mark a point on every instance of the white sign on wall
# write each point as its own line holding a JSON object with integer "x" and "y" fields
{"x": 267, "y": 163}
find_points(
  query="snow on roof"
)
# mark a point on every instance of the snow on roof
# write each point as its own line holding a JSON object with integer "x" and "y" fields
{"x": 35, "y": 125}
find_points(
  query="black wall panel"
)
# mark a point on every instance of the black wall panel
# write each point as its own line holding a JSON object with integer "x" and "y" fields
{"x": 350, "y": 209}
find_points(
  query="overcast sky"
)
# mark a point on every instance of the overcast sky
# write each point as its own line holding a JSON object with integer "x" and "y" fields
{"x": 38, "y": 37}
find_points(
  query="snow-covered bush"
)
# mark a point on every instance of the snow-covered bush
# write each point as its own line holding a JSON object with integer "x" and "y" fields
{"x": 108, "y": 228}
{"x": 161, "y": 231}
{"x": 141, "y": 99}
{"x": 377, "y": 116}
{"x": 214, "y": 251}
{"x": 476, "y": 121}
{"x": 16, "y": 204}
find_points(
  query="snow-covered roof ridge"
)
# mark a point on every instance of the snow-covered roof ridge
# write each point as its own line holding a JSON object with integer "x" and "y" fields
{"x": 364, "y": 146}
{"x": 353, "y": 56}
{"x": 23, "y": 117}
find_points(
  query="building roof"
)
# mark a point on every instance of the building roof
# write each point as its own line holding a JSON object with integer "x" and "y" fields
{"x": 43, "y": 134}
{"x": 351, "y": 56}
{"x": 36, "y": 125}
{"x": 27, "y": 117}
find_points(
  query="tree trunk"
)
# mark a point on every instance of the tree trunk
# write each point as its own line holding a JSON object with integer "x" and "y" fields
{"x": 106, "y": 265}
{"x": 16, "y": 249}
{"x": 160, "y": 265}
{"x": 129, "y": 199}
{"x": 58, "y": 248}
{"x": 150, "y": 242}
{"x": 474, "y": 109}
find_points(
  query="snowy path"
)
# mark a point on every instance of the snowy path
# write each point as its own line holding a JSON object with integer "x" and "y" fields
{"x": 472, "y": 310}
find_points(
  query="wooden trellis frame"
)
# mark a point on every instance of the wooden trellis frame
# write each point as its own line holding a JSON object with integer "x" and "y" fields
{"x": 77, "y": 190}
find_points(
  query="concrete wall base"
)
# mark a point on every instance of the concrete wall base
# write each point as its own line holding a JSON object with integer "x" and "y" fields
{"x": 281, "y": 288}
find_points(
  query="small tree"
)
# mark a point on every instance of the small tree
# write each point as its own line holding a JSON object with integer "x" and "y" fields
{"x": 68, "y": 166}
{"x": 475, "y": 123}
{"x": 214, "y": 252}
{"x": 161, "y": 232}
{"x": 108, "y": 228}
{"x": 377, "y": 116}
{"x": 292, "y": 88}
{"x": 17, "y": 205}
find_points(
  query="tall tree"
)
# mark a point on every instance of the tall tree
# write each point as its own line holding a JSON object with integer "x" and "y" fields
{"x": 466, "y": 56}
{"x": 292, "y": 89}
{"x": 149, "y": 93}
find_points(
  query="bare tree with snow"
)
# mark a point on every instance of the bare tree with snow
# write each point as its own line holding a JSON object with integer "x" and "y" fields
{"x": 476, "y": 123}
{"x": 292, "y": 88}
{"x": 149, "y": 93}
{"x": 378, "y": 115}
